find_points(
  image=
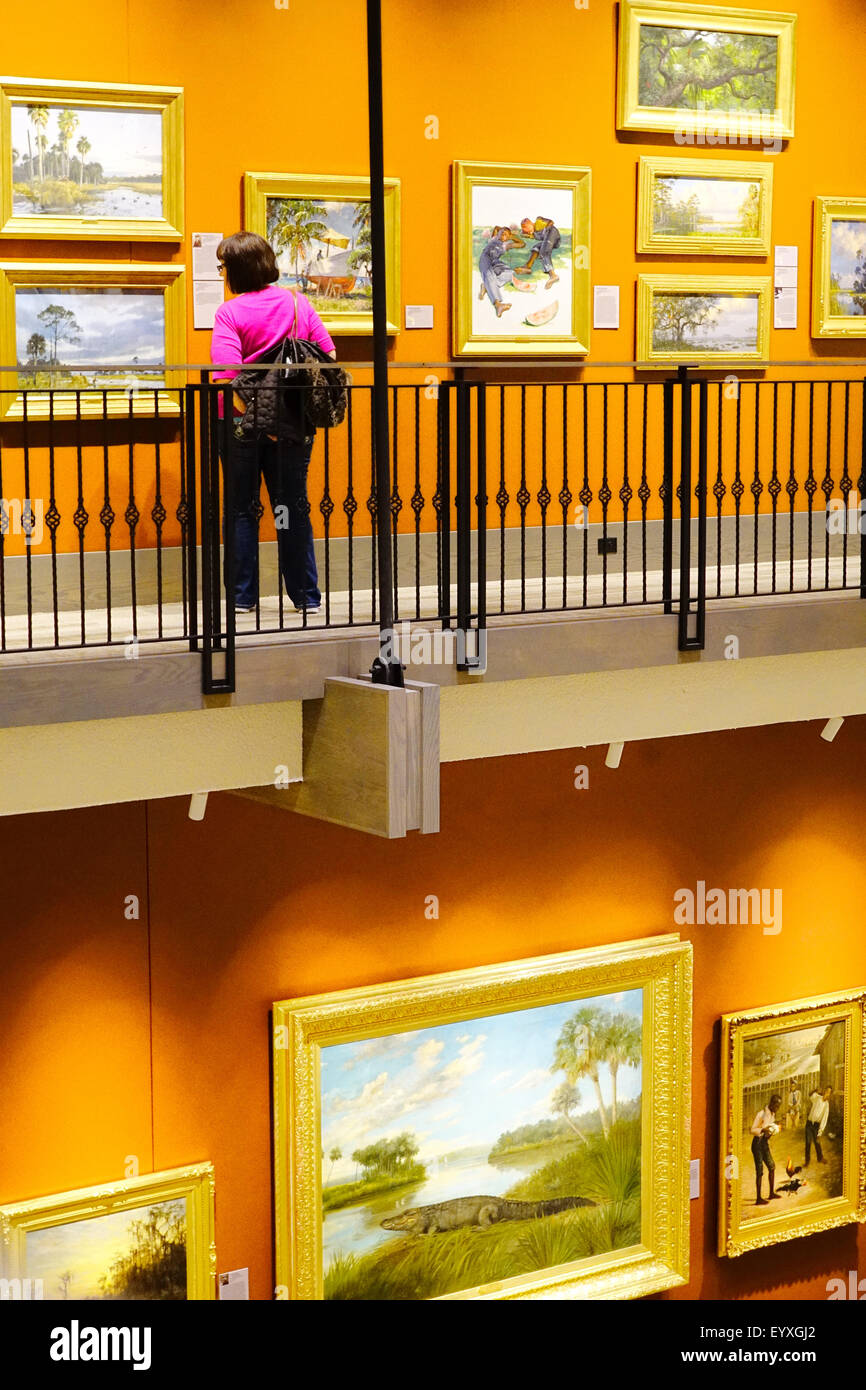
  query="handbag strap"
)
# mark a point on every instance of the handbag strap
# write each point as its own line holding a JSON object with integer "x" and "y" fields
{"x": 293, "y": 332}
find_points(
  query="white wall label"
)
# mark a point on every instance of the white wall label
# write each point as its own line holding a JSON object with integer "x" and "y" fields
{"x": 419, "y": 316}
{"x": 235, "y": 1284}
{"x": 605, "y": 306}
{"x": 694, "y": 1178}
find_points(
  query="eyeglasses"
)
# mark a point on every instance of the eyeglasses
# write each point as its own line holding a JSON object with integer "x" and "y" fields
{"x": 220, "y": 266}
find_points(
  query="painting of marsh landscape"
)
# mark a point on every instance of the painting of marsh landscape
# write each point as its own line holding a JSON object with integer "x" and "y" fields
{"x": 698, "y": 69}
{"x": 78, "y": 161}
{"x": 136, "y": 1254}
{"x": 465, "y": 1153}
{"x": 324, "y": 248}
{"x": 63, "y": 333}
{"x": 848, "y": 267}
{"x": 703, "y": 209}
{"x": 793, "y": 1120}
{"x": 726, "y": 324}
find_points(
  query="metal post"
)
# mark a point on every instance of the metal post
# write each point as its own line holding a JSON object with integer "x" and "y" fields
{"x": 861, "y": 485}
{"x": 386, "y": 669}
{"x": 668, "y": 498}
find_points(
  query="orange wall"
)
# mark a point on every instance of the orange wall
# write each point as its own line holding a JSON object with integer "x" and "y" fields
{"x": 255, "y": 905}
{"x": 265, "y": 91}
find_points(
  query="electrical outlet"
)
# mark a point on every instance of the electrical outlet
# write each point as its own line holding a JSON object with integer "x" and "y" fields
{"x": 607, "y": 545}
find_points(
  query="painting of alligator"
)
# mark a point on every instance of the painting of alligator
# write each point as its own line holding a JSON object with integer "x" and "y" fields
{"x": 476, "y": 1211}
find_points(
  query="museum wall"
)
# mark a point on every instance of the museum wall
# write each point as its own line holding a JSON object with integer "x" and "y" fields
{"x": 147, "y": 1039}
{"x": 280, "y": 90}
{"x": 284, "y": 90}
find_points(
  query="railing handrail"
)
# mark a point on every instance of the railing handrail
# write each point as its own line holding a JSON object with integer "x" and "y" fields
{"x": 470, "y": 364}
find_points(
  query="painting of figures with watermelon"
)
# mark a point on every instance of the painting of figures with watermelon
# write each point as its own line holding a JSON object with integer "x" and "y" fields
{"x": 521, "y": 260}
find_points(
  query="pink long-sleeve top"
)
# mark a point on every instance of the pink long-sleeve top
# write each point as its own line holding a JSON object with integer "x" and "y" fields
{"x": 259, "y": 319}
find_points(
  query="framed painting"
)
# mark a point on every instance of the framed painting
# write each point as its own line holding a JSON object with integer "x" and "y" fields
{"x": 520, "y": 257}
{"x": 721, "y": 74}
{"x": 319, "y": 227}
{"x": 91, "y": 162}
{"x": 512, "y": 1131}
{"x": 703, "y": 319}
{"x": 102, "y": 331}
{"x": 793, "y": 1131}
{"x": 146, "y": 1238}
{"x": 839, "y": 268}
{"x": 704, "y": 207}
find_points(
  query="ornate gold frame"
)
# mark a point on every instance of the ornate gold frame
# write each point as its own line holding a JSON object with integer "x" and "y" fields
{"x": 652, "y": 167}
{"x": 650, "y": 285}
{"x": 195, "y": 1183}
{"x": 64, "y": 274}
{"x": 467, "y": 176}
{"x": 824, "y": 323}
{"x": 167, "y": 100}
{"x": 259, "y": 187}
{"x": 778, "y": 125}
{"x": 661, "y": 966}
{"x": 848, "y": 1007}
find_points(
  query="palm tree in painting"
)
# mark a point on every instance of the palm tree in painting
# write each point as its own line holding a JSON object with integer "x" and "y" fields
{"x": 293, "y": 224}
{"x": 565, "y": 1099}
{"x": 67, "y": 123}
{"x": 36, "y": 346}
{"x": 39, "y": 116}
{"x": 580, "y": 1052}
{"x": 621, "y": 1045}
{"x": 83, "y": 147}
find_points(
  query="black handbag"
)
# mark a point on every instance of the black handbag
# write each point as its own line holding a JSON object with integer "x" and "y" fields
{"x": 326, "y": 396}
{"x": 302, "y": 391}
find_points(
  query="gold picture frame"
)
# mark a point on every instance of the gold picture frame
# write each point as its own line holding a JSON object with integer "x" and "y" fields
{"x": 828, "y": 251}
{"x": 22, "y": 1222}
{"x": 126, "y": 391}
{"x": 657, "y": 314}
{"x": 485, "y": 195}
{"x": 343, "y": 242}
{"x": 755, "y": 212}
{"x": 66, "y": 182}
{"x": 818, "y": 1032}
{"x": 363, "y": 1022}
{"x": 763, "y": 125}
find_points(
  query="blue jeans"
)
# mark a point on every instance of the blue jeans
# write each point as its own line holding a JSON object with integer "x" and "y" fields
{"x": 284, "y": 467}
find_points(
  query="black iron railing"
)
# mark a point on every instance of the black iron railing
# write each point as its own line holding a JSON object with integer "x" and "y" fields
{"x": 117, "y": 522}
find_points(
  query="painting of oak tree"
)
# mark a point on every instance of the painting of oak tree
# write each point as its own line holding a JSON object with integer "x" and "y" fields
{"x": 706, "y": 70}
{"x": 709, "y": 322}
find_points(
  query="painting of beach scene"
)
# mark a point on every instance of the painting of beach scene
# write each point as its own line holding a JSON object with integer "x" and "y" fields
{"x": 324, "y": 248}
{"x": 80, "y": 161}
{"x": 137, "y": 1254}
{"x": 465, "y": 1153}
{"x": 522, "y": 259}
{"x": 848, "y": 267}
{"x": 701, "y": 69}
{"x": 726, "y": 324}
{"x": 703, "y": 209}
{"x": 64, "y": 333}
{"x": 792, "y": 1136}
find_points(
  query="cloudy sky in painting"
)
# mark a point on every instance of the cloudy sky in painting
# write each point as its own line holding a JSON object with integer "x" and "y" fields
{"x": 128, "y": 144}
{"x": 86, "y": 1249}
{"x": 847, "y": 239}
{"x": 455, "y": 1086}
{"x": 115, "y": 325}
{"x": 718, "y": 199}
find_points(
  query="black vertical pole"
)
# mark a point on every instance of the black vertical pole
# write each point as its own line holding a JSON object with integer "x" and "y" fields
{"x": 386, "y": 669}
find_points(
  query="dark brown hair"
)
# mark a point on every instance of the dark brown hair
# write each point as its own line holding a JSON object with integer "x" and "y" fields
{"x": 249, "y": 261}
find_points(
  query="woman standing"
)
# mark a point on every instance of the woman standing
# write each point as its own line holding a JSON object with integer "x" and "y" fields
{"x": 257, "y": 319}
